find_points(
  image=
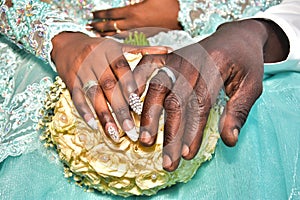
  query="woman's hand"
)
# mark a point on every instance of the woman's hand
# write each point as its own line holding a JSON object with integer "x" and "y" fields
{"x": 149, "y": 13}
{"x": 97, "y": 69}
{"x": 232, "y": 58}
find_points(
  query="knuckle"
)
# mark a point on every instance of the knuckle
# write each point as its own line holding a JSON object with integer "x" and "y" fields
{"x": 158, "y": 85}
{"x": 121, "y": 63}
{"x": 108, "y": 83}
{"x": 104, "y": 117}
{"x": 89, "y": 47}
{"x": 242, "y": 112}
{"x": 173, "y": 103}
{"x": 93, "y": 91}
{"x": 122, "y": 112}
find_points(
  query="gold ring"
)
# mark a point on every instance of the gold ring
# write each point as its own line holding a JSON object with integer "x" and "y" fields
{"x": 116, "y": 28}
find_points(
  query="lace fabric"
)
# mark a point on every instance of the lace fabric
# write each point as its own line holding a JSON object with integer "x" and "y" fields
{"x": 31, "y": 24}
{"x": 23, "y": 82}
{"x": 200, "y": 17}
{"x": 25, "y": 76}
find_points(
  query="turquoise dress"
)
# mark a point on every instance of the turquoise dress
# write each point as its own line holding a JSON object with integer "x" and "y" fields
{"x": 264, "y": 164}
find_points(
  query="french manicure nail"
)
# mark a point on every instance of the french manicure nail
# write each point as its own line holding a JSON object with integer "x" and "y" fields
{"x": 132, "y": 134}
{"x": 130, "y": 130}
{"x": 135, "y": 103}
{"x": 93, "y": 124}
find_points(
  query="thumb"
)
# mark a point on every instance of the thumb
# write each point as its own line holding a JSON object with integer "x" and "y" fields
{"x": 236, "y": 112}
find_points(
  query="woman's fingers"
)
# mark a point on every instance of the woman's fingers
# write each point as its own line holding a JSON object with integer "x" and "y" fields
{"x": 97, "y": 68}
{"x": 143, "y": 71}
{"x": 82, "y": 107}
{"x": 92, "y": 91}
{"x": 122, "y": 71}
{"x": 113, "y": 93}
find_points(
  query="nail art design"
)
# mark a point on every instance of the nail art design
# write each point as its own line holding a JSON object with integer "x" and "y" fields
{"x": 114, "y": 134}
{"x": 135, "y": 103}
{"x": 93, "y": 124}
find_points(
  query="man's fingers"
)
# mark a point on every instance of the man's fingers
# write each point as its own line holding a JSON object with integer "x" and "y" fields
{"x": 158, "y": 89}
{"x": 175, "y": 107}
{"x": 196, "y": 117}
{"x": 237, "y": 109}
{"x": 143, "y": 71}
{"x": 173, "y": 131}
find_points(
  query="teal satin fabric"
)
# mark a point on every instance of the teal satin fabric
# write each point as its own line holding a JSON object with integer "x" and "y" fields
{"x": 263, "y": 165}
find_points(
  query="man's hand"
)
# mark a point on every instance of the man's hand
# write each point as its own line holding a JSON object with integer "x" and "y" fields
{"x": 232, "y": 58}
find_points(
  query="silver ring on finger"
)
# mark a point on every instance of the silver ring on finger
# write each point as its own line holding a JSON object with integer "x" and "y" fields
{"x": 169, "y": 72}
{"x": 88, "y": 85}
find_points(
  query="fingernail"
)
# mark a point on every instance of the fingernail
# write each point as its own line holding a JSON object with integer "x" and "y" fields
{"x": 146, "y": 137}
{"x": 113, "y": 132}
{"x": 235, "y": 133}
{"x": 167, "y": 162}
{"x": 135, "y": 103}
{"x": 93, "y": 124}
{"x": 185, "y": 150}
{"x": 132, "y": 134}
{"x": 130, "y": 130}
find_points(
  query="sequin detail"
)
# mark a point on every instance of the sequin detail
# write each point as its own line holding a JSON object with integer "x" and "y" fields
{"x": 21, "y": 98}
{"x": 31, "y": 24}
{"x": 200, "y": 17}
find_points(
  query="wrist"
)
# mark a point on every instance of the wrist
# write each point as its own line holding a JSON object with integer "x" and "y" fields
{"x": 267, "y": 34}
{"x": 63, "y": 40}
{"x": 277, "y": 46}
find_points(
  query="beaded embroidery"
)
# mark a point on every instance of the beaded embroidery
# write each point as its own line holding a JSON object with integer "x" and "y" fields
{"x": 200, "y": 17}
{"x": 32, "y": 24}
{"x": 20, "y": 100}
